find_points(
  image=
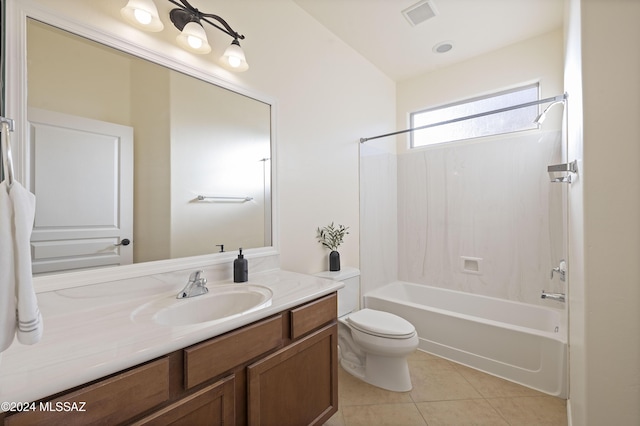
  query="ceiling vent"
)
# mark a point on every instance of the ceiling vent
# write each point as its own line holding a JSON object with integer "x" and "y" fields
{"x": 420, "y": 12}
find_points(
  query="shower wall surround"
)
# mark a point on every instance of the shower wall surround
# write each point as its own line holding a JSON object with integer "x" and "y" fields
{"x": 378, "y": 217}
{"x": 485, "y": 199}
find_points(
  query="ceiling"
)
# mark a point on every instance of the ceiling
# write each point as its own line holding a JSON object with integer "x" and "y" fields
{"x": 379, "y": 31}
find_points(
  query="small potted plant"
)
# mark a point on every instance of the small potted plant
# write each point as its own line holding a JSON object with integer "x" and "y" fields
{"x": 331, "y": 237}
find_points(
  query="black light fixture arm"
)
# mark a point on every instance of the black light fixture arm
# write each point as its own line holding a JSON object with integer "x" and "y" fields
{"x": 187, "y": 13}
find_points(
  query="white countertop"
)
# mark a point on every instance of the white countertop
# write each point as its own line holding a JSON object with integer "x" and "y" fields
{"x": 90, "y": 332}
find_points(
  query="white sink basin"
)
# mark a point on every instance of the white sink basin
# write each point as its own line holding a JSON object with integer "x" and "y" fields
{"x": 221, "y": 302}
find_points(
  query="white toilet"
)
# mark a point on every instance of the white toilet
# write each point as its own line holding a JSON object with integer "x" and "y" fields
{"x": 372, "y": 345}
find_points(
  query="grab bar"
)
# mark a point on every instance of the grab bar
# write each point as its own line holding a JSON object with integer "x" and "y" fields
{"x": 7, "y": 125}
{"x": 215, "y": 197}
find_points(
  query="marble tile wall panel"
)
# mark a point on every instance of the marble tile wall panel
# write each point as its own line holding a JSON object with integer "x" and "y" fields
{"x": 485, "y": 199}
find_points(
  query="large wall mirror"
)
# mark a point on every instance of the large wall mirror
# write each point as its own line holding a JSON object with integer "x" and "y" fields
{"x": 134, "y": 161}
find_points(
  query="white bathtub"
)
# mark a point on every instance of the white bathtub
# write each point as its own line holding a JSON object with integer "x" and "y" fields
{"x": 522, "y": 343}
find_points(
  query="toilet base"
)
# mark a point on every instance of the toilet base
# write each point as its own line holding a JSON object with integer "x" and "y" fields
{"x": 352, "y": 368}
{"x": 390, "y": 373}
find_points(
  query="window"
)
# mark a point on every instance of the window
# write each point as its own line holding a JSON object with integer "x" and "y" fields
{"x": 492, "y": 124}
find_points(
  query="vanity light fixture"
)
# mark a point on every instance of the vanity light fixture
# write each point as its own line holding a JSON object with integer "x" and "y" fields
{"x": 188, "y": 20}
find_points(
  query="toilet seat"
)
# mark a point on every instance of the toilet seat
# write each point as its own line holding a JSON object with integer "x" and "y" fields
{"x": 382, "y": 324}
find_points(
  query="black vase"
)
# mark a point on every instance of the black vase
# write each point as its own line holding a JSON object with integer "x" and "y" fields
{"x": 334, "y": 261}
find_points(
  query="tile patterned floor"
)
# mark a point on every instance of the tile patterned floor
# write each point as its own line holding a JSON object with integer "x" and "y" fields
{"x": 445, "y": 393}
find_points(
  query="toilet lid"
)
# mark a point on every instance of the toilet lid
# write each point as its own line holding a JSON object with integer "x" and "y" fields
{"x": 381, "y": 323}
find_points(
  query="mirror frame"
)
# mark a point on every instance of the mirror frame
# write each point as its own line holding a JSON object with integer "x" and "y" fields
{"x": 17, "y": 13}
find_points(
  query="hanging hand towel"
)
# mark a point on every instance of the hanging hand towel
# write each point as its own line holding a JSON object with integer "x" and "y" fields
{"x": 29, "y": 317}
{"x": 7, "y": 275}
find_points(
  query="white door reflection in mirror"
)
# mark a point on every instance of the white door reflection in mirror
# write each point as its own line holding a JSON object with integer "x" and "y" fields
{"x": 82, "y": 176}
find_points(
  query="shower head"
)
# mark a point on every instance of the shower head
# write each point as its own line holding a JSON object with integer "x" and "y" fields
{"x": 540, "y": 118}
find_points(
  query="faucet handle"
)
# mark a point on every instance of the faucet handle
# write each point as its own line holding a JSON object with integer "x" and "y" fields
{"x": 196, "y": 276}
{"x": 560, "y": 269}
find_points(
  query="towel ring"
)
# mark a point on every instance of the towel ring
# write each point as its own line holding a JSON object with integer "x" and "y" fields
{"x": 7, "y": 160}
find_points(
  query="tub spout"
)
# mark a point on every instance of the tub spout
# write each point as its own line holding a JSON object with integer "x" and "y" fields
{"x": 553, "y": 296}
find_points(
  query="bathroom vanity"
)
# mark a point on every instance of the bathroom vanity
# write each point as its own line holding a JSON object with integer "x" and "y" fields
{"x": 274, "y": 365}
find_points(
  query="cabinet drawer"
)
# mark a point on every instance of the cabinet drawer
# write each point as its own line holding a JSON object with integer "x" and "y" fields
{"x": 217, "y": 356}
{"x": 313, "y": 315}
{"x": 213, "y": 405}
{"x": 111, "y": 401}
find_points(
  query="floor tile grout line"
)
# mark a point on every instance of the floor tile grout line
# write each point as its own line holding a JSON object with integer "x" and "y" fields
{"x": 497, "y": 411}
{"x": 426, "y": 422}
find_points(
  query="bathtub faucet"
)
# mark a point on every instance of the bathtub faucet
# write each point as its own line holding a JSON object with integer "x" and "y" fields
{"x": 560, "y": 269}
{"x": 553, "y": 296}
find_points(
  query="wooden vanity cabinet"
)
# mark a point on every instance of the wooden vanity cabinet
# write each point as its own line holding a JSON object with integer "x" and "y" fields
{"x": 281, "y": 370}
{"x": 298, "y": 385}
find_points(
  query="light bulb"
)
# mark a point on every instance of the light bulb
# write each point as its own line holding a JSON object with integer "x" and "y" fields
{"x": 234, "y": 61}
{"x": 142, "y": 16}
{"x": 194, "y": 42}
{"x": 194, "y": 39}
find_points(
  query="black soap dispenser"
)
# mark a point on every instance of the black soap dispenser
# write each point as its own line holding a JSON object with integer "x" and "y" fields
{"x": 240, "y": 269}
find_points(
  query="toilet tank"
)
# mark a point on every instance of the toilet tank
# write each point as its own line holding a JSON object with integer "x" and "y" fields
{"x": 349, "y": 295}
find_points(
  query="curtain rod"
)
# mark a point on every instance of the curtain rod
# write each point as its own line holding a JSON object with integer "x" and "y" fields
{"x": 469, "y": 117}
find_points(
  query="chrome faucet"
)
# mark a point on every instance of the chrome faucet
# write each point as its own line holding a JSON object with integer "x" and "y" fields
{"x": 196, "y": 286}
{"x": 553, "y": 296}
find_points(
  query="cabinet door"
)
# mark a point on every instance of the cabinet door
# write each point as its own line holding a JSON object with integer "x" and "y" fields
{"x": 297, "y": 385}
{"x": 213, "y": 405}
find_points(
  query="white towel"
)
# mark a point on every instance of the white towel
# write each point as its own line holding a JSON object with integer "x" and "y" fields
{"x": 19, "y": 305}
{"x": 7, "y": 275}
{"x": 29, "y": 317}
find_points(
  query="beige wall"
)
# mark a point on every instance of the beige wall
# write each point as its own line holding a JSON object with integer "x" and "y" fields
{"x": 239, "y": 127}
{"x": 603, "y": 65}
{"x": 55, "y": 84}
{"x": 576, "y": 292}
{"x": 152, "y": 150}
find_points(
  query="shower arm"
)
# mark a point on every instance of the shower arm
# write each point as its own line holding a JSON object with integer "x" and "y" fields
{"x": 540, "y": 118}
{"x": 554, "y": 99}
